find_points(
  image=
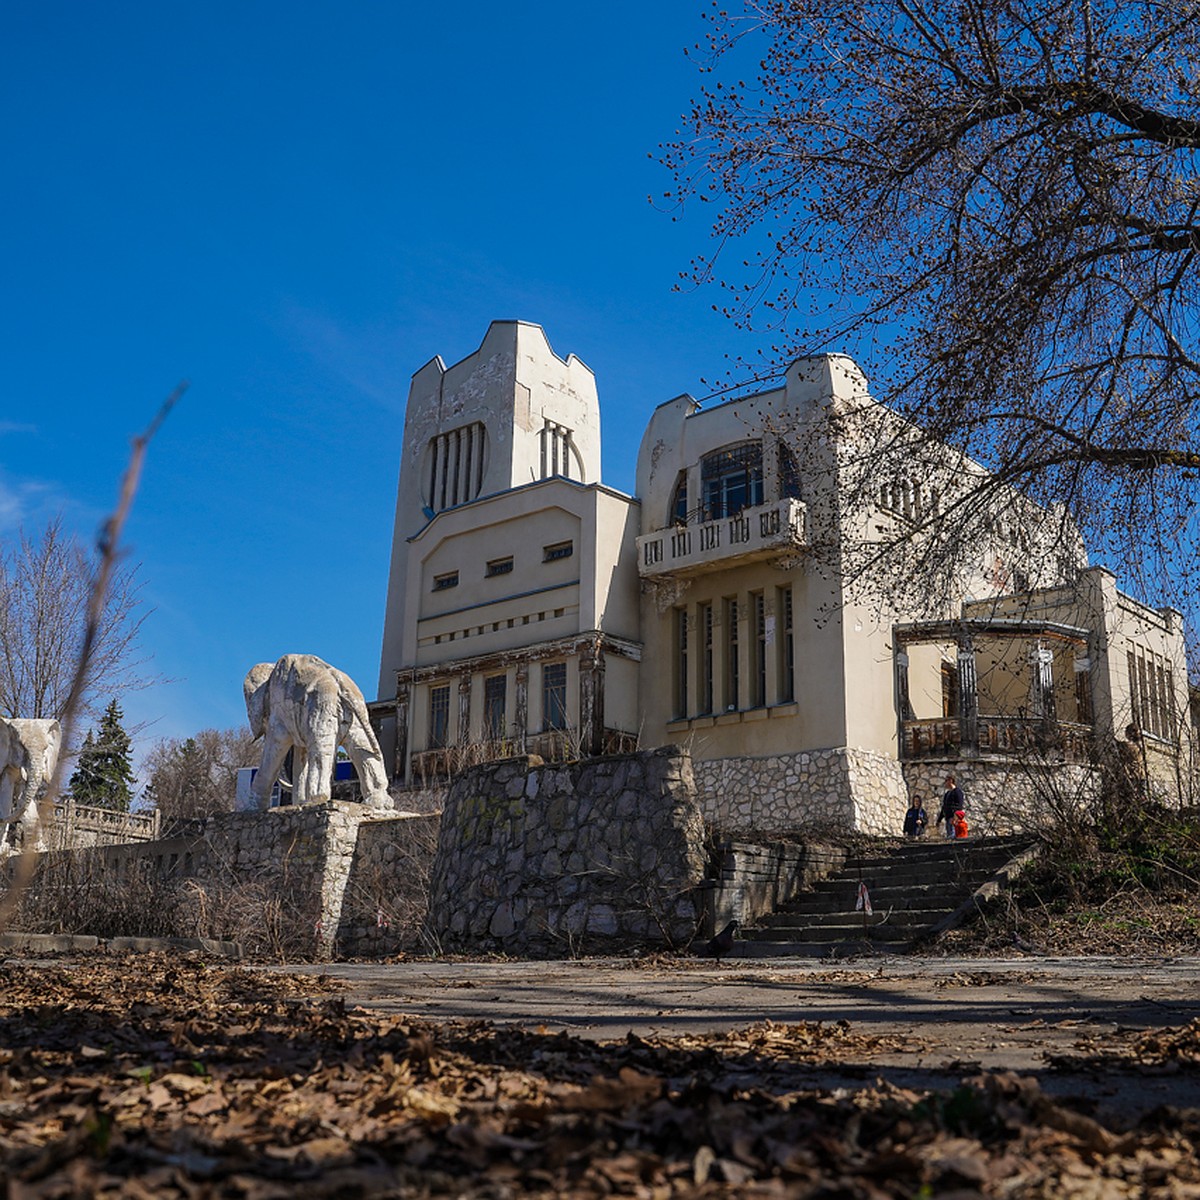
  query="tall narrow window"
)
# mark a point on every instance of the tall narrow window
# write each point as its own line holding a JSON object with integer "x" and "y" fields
{"x": 554, "y": 696}
{"x": 1135, "y": 700}
{"x": 732, "y": 659}
{"x": 705, "y": 615}
{"x": 439, "y": 717}
{"x": 787, "y": 647}
{"x": 681, "y": 662}
{"x": 758, "y": 662}
{"x": 789, "y": 474}
{"x": 679, "y": 501}
{"x": 495, "y": 689}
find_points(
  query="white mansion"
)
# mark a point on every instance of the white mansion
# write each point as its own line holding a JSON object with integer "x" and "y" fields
{"x": 532, "y": 609}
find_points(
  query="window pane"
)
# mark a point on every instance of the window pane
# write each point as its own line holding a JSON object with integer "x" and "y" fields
{"x": 439, "y": 717}
{"x": 731, "y": 479}
{"x": 554, "y": 696}
{"x": 495, "y": 688}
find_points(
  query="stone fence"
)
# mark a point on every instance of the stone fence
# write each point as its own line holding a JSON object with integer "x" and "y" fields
{"x": 78, "y": 825}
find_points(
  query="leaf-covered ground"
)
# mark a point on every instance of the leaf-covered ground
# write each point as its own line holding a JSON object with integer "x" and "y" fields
{"x": 156, "y": 1077}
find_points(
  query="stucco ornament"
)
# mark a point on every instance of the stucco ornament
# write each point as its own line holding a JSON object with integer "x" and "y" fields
{"x": 28, "y": 755}
{"x": 303, "y": 703}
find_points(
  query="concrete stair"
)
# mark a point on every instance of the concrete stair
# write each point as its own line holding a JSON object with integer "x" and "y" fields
{"x": 917, "y": 889}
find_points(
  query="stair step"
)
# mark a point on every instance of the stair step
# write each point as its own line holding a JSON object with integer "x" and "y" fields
{"x": 754, "y": 949}
{"x": 913, "y": 886}
{"x": 899, "y": 899}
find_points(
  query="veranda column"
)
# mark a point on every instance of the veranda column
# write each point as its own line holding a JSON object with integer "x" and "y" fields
{"x": 591, "y": 697}
{"x": 400, "y": 742}
{"x": 968, "y": 695}
{"x": 521, "y": 706}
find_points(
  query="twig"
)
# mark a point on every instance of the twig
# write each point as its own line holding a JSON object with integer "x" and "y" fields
{"x": 106, "y": 543}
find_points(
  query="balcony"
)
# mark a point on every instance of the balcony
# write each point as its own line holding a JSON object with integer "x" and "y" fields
{"x": 766, "y": 531}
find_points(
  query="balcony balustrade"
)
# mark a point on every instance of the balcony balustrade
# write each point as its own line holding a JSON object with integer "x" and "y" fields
{"x": 765, "y": 531}
{"x": 941, "y": 737}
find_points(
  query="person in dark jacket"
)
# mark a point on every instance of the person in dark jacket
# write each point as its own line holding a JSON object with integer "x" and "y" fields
{"x": 952, "y": 800}
{"x": 915, "y": 819}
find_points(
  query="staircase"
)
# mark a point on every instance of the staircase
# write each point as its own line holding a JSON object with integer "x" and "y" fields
{"x": 917, "y": 888}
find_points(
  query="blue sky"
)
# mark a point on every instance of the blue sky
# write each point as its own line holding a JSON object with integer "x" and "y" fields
{"x": 295, "y": 205}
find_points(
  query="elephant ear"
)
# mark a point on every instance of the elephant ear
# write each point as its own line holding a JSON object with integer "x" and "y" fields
{"x": 255, "y": 690}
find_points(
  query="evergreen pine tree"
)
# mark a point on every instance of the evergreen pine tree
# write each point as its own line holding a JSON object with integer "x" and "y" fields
{"x": 104, "y": 774}
{"x": 84, "y": 781}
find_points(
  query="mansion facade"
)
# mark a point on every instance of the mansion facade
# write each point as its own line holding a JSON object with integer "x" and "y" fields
{"x": 533, "y": 609}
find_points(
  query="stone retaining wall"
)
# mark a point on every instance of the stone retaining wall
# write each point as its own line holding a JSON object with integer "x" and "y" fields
{"x": 1004, "y": 795}
{"x": 842, "y": 788}
{"x": 552, "y": 860}
{"x": 387, "y": 892}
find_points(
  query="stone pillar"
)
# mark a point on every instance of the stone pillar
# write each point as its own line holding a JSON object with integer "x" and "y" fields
{"x": 591, "y": 697}
{"x": 521, "y": 706}
{"x": 968, "y": 695}
{"x": 400, "y": 744}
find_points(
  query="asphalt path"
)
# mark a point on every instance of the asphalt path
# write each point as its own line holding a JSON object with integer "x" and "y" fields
{"x": 955, "y": 1016}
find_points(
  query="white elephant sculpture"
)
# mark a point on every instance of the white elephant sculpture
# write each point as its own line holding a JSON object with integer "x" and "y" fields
{"x": 303, "y": 703}
{"x": 28, "y": 755}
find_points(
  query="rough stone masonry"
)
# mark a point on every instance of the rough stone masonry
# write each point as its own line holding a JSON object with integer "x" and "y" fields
{"x": 549, "y": 860}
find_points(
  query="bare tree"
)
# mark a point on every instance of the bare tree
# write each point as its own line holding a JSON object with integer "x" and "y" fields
{"x": 196, "y": 776}
{"x": 46, "y": 584}
{"x": 995, "y": 206}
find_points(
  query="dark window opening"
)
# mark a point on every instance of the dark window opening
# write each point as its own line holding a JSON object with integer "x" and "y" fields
{"x": 758, "y": 672}
{"x": 442, "y": 582}
{"x": 787, "y": 663}
{"x": 731, "y": 480}
{"x": 558, "y": 550}
{"x": 495, "y": 689}
{"x": 439, "y": 717}
{"x": 733, "y": 662}
{"x": 679, "y": 501}
{"x": 789, "y": 475}
{"x": 554, "y": 696}
{"x": 500, "y": 566}
{"x": 706, "y": 659}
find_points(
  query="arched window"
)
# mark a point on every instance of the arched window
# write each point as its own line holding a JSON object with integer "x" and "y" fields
{"x": 731, "y": 479}
{"x": 679, "y": 501}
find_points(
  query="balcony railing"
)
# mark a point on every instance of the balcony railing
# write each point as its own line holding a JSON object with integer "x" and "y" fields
{"x": 755, "y": 533}
{"x": 941, "y": 737}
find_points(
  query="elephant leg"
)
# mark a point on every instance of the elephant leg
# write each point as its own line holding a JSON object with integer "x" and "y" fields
{"x": 6, "y": 813}
{"x": 320, "y": 718}
{"x": 275, "y": 748}
{"x": 299, "y": 775}
{"x": 318, "y": 773}
{"x": 368, "y": 763}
